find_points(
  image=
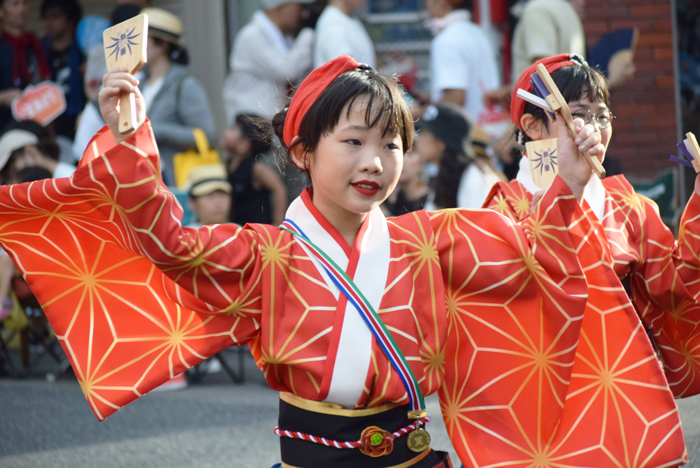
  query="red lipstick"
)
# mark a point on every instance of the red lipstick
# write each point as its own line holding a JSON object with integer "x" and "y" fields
{"x": 366, "y": 187}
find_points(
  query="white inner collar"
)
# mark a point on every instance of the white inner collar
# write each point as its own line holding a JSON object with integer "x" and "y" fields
{"x": 352, "y": 360}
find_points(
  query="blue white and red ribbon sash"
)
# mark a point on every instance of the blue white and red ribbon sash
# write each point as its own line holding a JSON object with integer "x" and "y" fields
{"x": 368, "y": 314}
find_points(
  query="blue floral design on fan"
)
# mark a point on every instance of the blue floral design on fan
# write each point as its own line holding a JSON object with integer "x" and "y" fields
{"x": 123, "y": 43}
{"x": 546, "y": 161}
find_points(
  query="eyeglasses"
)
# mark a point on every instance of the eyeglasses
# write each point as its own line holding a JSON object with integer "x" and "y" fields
{"x": 604, "y": 119}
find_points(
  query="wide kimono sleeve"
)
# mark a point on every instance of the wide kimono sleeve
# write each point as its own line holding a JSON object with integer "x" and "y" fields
{"x": 665, "y": 283}
{"x": 515, "y": 296}
{"x": 133, "y": 297}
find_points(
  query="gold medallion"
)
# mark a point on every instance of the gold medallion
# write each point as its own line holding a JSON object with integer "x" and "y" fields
{"x": 418, "y": 440}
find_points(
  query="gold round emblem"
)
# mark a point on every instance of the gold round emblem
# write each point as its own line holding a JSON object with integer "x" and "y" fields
{"x": 418, "y": 440}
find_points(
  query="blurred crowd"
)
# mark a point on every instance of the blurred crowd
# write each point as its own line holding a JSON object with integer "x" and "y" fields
{"x": 463, "y": 147}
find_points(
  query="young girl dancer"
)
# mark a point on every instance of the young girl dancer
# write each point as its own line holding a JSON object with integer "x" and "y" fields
{"x": 351, "y": 316}
{"x": 620, "y": 373}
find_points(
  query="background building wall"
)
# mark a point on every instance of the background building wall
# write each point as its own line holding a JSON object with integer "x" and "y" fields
{"x": 645, "y": 133}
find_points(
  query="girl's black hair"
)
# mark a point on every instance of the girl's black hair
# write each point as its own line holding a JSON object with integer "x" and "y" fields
{"x": 386, "y": 107}
{"x": 446, "y": 182}
{"x": 575, "y": 82}
{"x": 257, "y": 130}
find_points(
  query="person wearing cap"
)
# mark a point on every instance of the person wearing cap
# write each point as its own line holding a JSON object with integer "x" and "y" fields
{"x": 268, "y": 54}
{"x": 209, "y": 195}
{"x": 462, "y": 59}
{"x": 464, "y": 178}
{"x": 176, "y": 101}
{"x": 20, "y": 149}
{"x": 338, "y": 33}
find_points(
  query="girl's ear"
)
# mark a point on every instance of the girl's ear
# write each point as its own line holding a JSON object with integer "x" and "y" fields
{"x": 299, "y": 155}
{"x": 531, "y": 126}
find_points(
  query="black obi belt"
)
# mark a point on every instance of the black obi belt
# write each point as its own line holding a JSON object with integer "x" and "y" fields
{"x": 311, "y": 433}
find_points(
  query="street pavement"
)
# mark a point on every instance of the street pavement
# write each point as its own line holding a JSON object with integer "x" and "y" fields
{"x": 215, "y": 423}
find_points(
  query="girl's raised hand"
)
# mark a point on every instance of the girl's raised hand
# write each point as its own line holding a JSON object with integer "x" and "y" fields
{"x": 573, "y": 167}
{"x": 116, "y": 81}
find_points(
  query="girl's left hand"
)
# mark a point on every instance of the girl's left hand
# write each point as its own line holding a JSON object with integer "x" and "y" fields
{"x": 573, "y": 166}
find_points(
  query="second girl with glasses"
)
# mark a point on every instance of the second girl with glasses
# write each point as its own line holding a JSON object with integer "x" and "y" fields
{"x": 616, "y": 370}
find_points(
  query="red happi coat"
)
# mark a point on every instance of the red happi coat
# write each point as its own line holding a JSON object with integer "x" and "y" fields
{"x": 663, "y": 276}
{"x": 487, "y": 312}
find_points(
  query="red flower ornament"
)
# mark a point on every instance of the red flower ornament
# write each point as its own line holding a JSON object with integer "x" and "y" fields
{"x": 376, "y": 442}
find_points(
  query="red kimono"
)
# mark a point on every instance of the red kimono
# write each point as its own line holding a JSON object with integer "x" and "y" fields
{"x": 663, "y": 276}
{"x": 487, "y": 312}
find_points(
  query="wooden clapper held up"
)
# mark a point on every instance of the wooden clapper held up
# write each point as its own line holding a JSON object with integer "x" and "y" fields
{"x": 542, "y": 154}
{"x": 125, "y": 46}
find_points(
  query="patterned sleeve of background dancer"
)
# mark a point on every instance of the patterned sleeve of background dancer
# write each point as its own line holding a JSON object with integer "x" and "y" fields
{"x": 510, "y": 199}
{"x": 515, "y": 297}
{"x": 666, "y": 291}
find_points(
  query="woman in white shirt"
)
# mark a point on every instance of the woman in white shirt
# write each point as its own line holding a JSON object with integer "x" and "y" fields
{"x": 338, "y": 33}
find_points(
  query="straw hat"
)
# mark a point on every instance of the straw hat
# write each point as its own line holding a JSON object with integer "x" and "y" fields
{"x": 14, "y": 140}
{"x": 206, "y": 179}
{"x": 480, "y": 142}
{"x": 163, "y": 25}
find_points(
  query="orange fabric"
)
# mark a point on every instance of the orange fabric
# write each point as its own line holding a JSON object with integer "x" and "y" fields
{"x": 663, "y": 277}
{"x": 487, "y": 312}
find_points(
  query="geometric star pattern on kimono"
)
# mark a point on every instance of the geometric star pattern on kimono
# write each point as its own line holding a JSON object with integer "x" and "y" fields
{"x": 619, "y": 374}
{"x": 487, "y": 312}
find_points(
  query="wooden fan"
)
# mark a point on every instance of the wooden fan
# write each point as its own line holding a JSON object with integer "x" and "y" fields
{"x": 125, "y": 46}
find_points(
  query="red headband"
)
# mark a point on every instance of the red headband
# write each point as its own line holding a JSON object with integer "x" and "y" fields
{"x": 517, "y": 105}
{"x": 310, "y": 89}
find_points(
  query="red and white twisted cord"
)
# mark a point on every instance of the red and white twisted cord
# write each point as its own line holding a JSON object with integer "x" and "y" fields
{"x": 347, "y": 444}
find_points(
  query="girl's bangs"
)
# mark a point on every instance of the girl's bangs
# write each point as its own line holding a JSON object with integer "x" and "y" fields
{"x": 385, "y": 108}
{"x": 578, "y": 81}
{"x": 382, "y": 109}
